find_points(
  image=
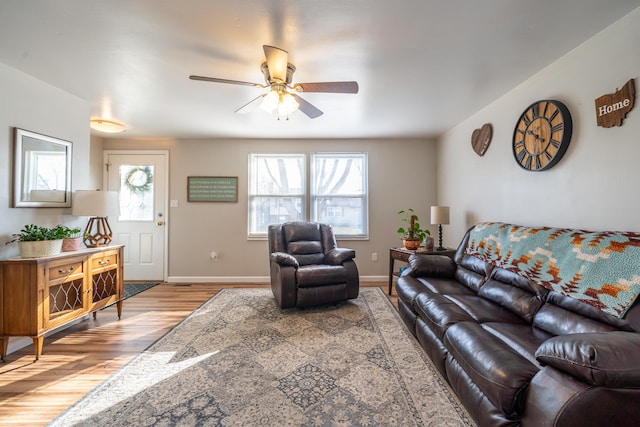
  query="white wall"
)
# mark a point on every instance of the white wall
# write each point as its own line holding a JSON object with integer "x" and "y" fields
{"x": 401, "y": 175}
{"x": 33, "y": 105}
{"x": 594, "y": 186}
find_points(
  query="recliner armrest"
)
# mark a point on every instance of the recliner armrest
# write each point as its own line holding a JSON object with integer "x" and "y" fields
{"x": 337, "y": 256}
{"x": 609, "y": 359}
{"x": 283, "y": 258}
{"x": 432, "y": 266}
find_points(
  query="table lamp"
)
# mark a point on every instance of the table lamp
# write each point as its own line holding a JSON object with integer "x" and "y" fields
{"x": 440, "y": 216}
{"x": 98, "y": 205}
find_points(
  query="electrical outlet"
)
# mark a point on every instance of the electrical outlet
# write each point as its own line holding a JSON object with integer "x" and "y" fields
{"x": 214, "y": 256}
{"x": 374, "y": 256}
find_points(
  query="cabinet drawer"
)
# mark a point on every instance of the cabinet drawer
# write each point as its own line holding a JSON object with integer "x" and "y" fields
{"x": 107, "y": 260}
{"x": 65, "y": 270}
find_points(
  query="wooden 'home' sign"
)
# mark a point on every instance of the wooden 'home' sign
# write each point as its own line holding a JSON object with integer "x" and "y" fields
{"x": 612, "y": 108}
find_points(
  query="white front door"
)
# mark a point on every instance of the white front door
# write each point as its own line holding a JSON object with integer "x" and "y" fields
{"x": 141, "y": 180}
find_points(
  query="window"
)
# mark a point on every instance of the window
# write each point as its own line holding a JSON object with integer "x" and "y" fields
{"x": 277, "y": 190}
{"x": 339, "y": 192}
{"x": 336, "y": 192}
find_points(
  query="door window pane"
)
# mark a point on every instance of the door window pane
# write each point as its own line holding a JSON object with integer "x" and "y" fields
{"x": 136, "y": 193}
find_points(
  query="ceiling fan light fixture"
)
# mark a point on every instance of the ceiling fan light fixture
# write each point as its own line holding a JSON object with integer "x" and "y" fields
{"x": 289, "y": 103}
{"x": 270, "y": 101}
{"x": 107, "y": 126}
{"x": 281, "y": 101}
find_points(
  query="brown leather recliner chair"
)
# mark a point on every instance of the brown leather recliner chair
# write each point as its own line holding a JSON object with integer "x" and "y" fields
{"x": 307, "y": 267}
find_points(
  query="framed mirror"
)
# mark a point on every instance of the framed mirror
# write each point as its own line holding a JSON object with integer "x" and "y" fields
{"x": 41, "y": 171}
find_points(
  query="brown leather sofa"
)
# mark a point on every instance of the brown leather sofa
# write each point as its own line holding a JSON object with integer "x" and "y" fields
{"x": 516, "y": 353}
{"x": 307, "y": 267}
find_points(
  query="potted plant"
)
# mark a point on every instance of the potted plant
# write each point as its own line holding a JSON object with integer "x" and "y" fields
{"x": 72, "y": 237}
{"x": 412, "y": 235}
{"x": 35, "y": 241}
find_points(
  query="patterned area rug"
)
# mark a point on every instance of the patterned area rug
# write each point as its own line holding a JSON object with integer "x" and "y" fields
{"x": 241, "y": 361}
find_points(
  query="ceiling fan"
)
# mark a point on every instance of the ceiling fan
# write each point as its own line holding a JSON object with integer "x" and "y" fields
{"x": 282, "y": 96}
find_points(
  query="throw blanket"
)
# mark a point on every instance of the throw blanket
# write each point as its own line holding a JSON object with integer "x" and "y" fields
{"x": 601, "y": 269}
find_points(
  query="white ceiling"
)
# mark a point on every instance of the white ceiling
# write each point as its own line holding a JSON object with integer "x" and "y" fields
{"x": 422, "y": 65}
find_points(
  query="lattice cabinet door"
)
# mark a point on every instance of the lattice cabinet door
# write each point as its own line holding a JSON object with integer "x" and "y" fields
{"x": 66, "y": 289}
{"x": 106, "y": 281}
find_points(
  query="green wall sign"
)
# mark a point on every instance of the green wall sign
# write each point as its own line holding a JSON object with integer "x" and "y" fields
{"x": 212, "y": 189}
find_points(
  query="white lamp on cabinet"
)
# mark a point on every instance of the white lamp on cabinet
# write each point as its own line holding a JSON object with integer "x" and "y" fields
{"x": 98, "y": 205}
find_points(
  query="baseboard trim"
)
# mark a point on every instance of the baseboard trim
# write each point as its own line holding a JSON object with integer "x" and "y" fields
{"x": 248, "y": 279}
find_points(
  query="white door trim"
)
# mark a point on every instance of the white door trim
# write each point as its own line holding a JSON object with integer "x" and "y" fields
{"x": 167, "y": 216}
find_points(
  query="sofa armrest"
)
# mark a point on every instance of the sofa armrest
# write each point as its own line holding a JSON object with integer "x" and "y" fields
{"x": 432, "y": 266}
{"x": 609, "y": 359}
{"x": 337, "y": 256}
{"x": 284, "y": 259}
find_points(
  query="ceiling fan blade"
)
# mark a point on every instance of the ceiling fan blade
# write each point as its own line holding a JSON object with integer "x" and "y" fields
{"x": 233, "y": 82}
{"x": 277, "y": 60}
{"x": 330, "y": 87}
{"x": 250, "y": 106}
{"x": 307, "y": 108}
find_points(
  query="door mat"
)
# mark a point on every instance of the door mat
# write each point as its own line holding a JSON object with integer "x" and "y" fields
{"x": 131, "y": 289}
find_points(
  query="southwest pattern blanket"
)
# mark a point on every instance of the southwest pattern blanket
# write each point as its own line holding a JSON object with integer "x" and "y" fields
{"x": 601, "y": 269}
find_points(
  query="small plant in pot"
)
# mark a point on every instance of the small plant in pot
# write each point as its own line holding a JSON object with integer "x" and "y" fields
{"x": 412, "y": 235}
{"x": 35, "y": 241}
{"x": 72, "y": 237}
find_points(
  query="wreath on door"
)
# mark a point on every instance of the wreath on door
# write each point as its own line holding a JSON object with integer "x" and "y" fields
{"x": 139, "y": 179}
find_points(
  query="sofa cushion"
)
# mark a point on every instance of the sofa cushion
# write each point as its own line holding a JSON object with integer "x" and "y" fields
{"x": 558, "y": 321}
{"x": 320, "y": 275}
{"x": 482, "y": 310}
{"x": 501, "y": 374}
{"x": 445, "y": 286}
{"x": 524, "y": 304}
{"x": 606, "y": 359}
{"x": 585, "y": 310}
{"x": 472, "y": 272}
{"x": 523, "y": 339}
{"x": 439, "y": 312}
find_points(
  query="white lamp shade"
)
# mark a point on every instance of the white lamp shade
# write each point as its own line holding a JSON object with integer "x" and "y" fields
{"x": 439, "y": 214}
{"x": 96, "y": 203}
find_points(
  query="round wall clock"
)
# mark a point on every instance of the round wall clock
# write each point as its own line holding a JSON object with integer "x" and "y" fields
{"x": 542, "y": 135}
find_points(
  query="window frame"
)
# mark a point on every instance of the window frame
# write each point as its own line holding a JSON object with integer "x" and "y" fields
{"x": 251, "y": 196}
{"x": 364, "y": 196}
{"x": 307, "y": 196}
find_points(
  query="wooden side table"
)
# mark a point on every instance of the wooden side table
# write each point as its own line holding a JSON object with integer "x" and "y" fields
{"x": 402, "y": 254}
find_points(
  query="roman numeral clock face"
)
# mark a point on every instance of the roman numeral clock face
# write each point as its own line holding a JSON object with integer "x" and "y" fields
{"x": 542, "y": 135}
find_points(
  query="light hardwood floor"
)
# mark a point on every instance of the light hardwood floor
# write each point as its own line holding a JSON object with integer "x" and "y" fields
{"x": 78, "y": 359}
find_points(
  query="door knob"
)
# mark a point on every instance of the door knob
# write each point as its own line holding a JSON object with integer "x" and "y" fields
{"x": 160, "y": 223}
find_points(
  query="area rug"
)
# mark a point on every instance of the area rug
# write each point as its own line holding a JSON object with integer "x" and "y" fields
{"x": 241, "y": 361}
{"x": 134, "y": 288}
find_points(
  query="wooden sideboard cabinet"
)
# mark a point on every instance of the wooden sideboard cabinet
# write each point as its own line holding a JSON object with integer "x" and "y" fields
{"x": 40, "y": 294}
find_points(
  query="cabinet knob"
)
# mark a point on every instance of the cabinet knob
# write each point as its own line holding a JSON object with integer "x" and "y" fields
{"x": 105, "y": 262}
{"x": 61, "y": 271}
